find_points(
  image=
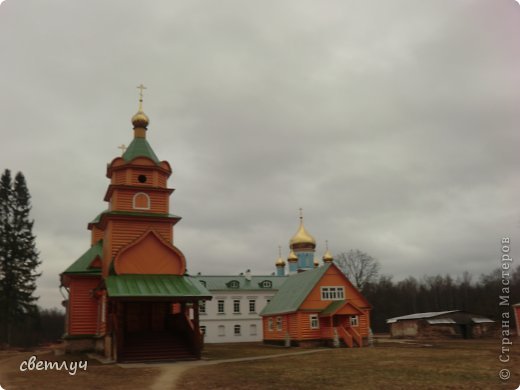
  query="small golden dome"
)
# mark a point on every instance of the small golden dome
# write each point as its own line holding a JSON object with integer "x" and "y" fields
{"x": 140, "y": 119}
{"x": 327, "y": 257}
{"x": 280, "y": 262}
{"x": 302, "y": 237}
{"x": 292, "y": 257}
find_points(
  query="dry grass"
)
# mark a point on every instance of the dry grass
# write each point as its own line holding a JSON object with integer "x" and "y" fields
{"x": 95, "y": 377}
{"x": 241, "y": 350}
{"x": 464, "y": 364}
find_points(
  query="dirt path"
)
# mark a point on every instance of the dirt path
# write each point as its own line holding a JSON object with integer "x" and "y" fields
{"x": 170, "y": 372}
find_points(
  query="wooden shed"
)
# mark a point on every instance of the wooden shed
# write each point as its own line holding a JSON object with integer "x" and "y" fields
{"x": 441, "y": 324}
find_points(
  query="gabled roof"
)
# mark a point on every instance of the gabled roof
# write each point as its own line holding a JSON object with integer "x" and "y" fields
{"x": 139, "y": 147}
{"x": 223, "y": 282}
{"x": 340, "y": 306}
{"x": 158, "y": 286}
{"x": 82, "y": 265}
{"x": 418, "y": 316}
{"x": 294, "y": 291}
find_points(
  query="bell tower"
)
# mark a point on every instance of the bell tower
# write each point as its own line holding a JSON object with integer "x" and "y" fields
{"x": 303, "y": 245}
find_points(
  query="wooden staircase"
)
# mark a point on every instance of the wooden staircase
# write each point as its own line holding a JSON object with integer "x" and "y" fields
{"x": 156, "y": 346}
{"x": 350, "y": 336}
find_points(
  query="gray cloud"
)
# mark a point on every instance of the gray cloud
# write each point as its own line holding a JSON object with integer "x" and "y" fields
{"x": 394, "y": 125}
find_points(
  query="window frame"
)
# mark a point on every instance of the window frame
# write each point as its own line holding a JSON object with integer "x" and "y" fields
{"x": 332, "y": 293}
{"x": 354, "y": 321}
{"x": 314, "y": 321}
{"x": 236, "y": 306}
{"x": 219, "y": 303}
{"x": 279, "y": 323}
{"x": 252, "y": 304}
{"x": 235, "y": 328}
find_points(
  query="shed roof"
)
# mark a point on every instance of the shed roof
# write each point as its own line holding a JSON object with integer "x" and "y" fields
{"x": 417, "y": 316}
{"x": 82, "y": 265}
{"x": 294, "y": 291}
{"x": 159, "y": 286}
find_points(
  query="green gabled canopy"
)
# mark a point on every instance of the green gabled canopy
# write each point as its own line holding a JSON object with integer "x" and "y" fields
{"x": 333, "y": 308}
{"x": 139, "y": 147}
{"x": 294, "y": 291}
{"x": 158, "y": 286}
{"x": 82, "y": 265}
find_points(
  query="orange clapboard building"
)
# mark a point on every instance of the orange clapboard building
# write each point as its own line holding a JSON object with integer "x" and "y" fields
{"x": 316, "y": 304}
{"x": 129, "y": 295}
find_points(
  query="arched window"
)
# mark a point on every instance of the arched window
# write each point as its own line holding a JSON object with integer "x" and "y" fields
{"x": 141, "y": 201}
{"x": 266, "y": 284}
{"x": 234, "y": 284}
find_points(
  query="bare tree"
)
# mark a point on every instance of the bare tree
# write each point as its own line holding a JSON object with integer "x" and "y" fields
{"x": 360, "y": 267}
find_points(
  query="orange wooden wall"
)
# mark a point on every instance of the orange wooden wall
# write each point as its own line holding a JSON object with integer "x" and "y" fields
{"x": 83, "y": 307}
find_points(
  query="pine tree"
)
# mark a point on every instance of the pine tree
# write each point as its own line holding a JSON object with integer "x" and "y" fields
{"x": 18, "y": 255}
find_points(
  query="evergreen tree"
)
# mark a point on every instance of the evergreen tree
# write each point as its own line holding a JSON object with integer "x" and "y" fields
{"x": 18, "y": 255}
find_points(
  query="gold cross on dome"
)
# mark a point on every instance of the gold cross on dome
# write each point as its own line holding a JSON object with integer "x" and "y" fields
{"x": 140, "y": 87}
{"x": 301, "y": 213}
{"x": 123, "y": 148}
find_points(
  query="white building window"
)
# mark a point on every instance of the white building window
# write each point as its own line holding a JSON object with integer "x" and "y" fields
{"x": 332, "y": 293}
{"x": 141, "y": 201}
{"x": 203, "y": 330}
{"x": 236, "y": 306}
{"x": 270, "y": 324}
{"x": 220, "y": 306}
{"x": 354, "y": 321}
{"x": 278, "y": 323}
{"x": 221, "y": 330}
{"x": 252, "y": 306}
{"x": 266, "y": 284}
{"x": 314, "y": 322}
{"x": 237, "y": 330}
{"x": 252, "y": 330}
{"x": 202, "y": 307}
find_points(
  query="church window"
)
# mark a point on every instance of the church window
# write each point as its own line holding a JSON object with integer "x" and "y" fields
{"x": 252, "y": 306}
{"x": 237, "y": 330}
{"x": 141, "y": 178}
{"x": 278, "y": 323}
{"x": 234, "y": 284}
{"x": 270, "y": 324}
{"x": 332, "y": 293}
{"x": 220, "y": 307}
{"x": 221, "y": 330}
{"x": 236, "y": 306}
{"x": 354, "y": 321}
{"x": 315, "y": 324}
{"x": 141, "y": 201}
{"x": 266, "y": 284}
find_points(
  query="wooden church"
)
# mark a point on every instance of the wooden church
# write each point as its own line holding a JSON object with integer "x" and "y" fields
{"x": 317, "y": 305}
{"x": 129, "y": 295}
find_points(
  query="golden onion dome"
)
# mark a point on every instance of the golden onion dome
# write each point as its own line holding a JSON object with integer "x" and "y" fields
{"x": 327, "y": 257}
{"x": 302, "y": 237}
{"x": 292, "y": 257}
{"x": 140, "y": 119}
{"x": 280, "y": 262}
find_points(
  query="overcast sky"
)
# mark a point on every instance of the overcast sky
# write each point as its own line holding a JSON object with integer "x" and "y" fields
{"x": 395, "y": 125}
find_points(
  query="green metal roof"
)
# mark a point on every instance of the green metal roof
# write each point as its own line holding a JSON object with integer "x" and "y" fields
{"x": 332, "y": 308}
{"x": 139, "y": 147}
{"x": 219, "y": 283}
{"x": 81, "y": 265}
{"x": 294, "y": 291}
{"x": 160, "y": 286}
{"x": 98, "y": 217}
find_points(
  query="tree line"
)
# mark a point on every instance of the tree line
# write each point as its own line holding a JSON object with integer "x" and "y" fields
{"x": 478, "y": 295}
